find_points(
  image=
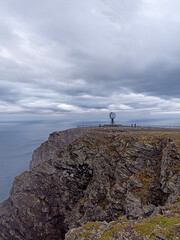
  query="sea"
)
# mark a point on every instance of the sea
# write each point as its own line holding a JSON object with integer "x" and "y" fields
{"x": 19, "y": 139}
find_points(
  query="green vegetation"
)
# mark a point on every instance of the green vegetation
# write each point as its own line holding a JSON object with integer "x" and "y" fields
{"x": 163, "y": 225}
{"x": 166, "y": 225}
{"x": 110, "y": 233}
{"x": 87, "y": 229}
{"x": 86, "y": 234}
{"x": 124, "y": 220}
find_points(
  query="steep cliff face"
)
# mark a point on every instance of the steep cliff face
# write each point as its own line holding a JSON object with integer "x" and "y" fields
{"x": 56, "y": 141}
{"x": 94, "y": 174}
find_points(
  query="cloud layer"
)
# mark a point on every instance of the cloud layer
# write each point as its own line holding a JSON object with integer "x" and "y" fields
{"x": 59, "y": 57}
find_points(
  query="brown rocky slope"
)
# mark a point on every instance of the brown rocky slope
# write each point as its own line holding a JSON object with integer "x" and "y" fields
{"x": 91, "y": 174}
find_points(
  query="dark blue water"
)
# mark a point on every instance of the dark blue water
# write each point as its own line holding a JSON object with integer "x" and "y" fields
{"x": 17, "y": 142}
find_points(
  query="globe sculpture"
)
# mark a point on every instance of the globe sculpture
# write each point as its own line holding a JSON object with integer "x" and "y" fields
{"x": 112, "y": 116}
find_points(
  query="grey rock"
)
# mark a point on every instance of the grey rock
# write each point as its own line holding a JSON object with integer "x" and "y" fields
{"x": 82, "y": 175}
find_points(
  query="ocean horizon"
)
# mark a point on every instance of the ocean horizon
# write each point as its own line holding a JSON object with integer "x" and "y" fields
{"x": 20, "y": 138}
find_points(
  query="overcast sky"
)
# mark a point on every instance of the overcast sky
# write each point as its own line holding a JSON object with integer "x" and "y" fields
{"x": 60, "y": 58}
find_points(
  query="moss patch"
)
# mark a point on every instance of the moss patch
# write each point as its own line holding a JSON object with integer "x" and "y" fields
{"x": 111, "y": 232}
{"x": 88, "y": 228}
{"x": 86, "y": 234}
{"x": 163, "y": 225}
{"x": 166, "y": 225}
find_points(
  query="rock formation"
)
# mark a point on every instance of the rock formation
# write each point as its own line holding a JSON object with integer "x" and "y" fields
{"x": 160, "y": 227}
{"x": 90, "y": 174}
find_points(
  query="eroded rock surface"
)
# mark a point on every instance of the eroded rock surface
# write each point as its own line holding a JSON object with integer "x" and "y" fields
{"x": 162, "y": 226}
{"x": 94, "y": 174}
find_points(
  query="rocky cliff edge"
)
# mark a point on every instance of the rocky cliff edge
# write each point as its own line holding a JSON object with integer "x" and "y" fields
{"x": 91, "y": 174}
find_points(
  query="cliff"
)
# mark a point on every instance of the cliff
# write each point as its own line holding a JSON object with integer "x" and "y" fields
{"x": 92, "y": 174}
{"x": 162, "y": 226}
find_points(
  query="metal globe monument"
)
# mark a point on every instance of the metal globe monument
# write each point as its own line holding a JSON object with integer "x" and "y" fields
{"x": 112, "y": 116}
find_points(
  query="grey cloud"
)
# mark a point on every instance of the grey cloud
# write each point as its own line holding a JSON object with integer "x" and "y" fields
{"x": 56, "y": 52}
